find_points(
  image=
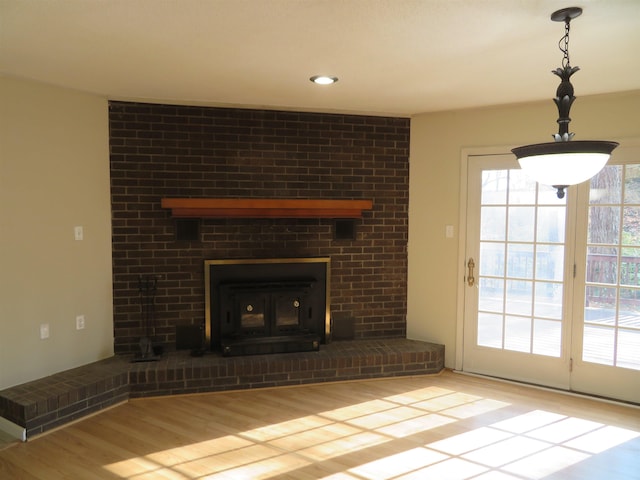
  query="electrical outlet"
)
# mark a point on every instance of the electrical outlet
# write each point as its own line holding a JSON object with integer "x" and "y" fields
{"x": 44, "y": 331}
{"x": 79, "y": 322}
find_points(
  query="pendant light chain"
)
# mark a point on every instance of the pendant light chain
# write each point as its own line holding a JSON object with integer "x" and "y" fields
{"x": 563, "y": 44}
{"x": 564, "y": 161}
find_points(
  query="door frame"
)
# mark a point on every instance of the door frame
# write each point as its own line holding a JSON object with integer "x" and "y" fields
{"x": 465, "y": 155}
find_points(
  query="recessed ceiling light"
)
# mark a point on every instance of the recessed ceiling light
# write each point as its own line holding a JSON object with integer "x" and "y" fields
{"x": 323, "y": 79}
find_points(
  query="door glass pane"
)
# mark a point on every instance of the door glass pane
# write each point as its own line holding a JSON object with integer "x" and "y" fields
{"x": 521, "y": 272}
{"x": 547, "y": 336}
{"x": 494, "y": 187}
{"x": 549, "y": 262}
{"x": 493, "y": 259}
{"x": 519, "y": 297}
{"x": 522, "y": 190}
{"x": 604, "y": 225}
{"x": 520, "y": 260}
{"x": 606, "y": 187}
{"x": 491, "y": 295}
{"x": 517, "y": 335}
{"x": 490, "y": 330}
{"x": 631, "y": 179}
{"x": 548, "y": 302}
{"x": 551, "y": 224}
{"x": 521, "y": 226}
{"x": 493, "y": 225}
{"x": 598, "y": 345}
{"x": 612, "y": 293}
{"x": 602, "y": 265}
{"x": 628, "y": 348}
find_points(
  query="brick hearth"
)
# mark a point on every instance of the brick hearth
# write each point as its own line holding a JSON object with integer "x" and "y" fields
{"x": 44, "y": 404}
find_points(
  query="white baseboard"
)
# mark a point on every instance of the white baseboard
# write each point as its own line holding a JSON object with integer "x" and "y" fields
{"x": 14, "y": 430}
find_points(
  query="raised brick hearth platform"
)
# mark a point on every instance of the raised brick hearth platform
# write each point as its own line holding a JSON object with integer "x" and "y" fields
{"x": 52, "y": 401}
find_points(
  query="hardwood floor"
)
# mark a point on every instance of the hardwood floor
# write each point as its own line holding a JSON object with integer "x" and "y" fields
{"x": 448, "y": 426}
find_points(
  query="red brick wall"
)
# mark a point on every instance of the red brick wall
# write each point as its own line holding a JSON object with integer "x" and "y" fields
{"x": 182, "y": 151}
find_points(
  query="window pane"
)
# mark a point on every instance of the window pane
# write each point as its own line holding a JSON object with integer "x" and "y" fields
{"x": 493, "y": 223}
{"x": 631, "y": 226}
{"x": 629, "y": 305}
{"x": 606, "y": 187}
{"x": 494, "y": 187}
{"x": 550, "y": 262}
{"x": 629, "y": 349}
{"x": 490, "y": 330}
{"x": 600, "y": 305}
{"x": 598, "y": 344}
{"x": 519, "y": 299}
{"x": 604, "y": 225}
{"x": 547, "y": 337}
{"x": 551, "y": 224}
{"x": 491, "y": 259}
{"x": 491, "y": 294}
{"x": 602, "y": 265}
{"x": 521, "y": 224}
{"x": 522, "y": 190}
{"x": 631, "y": 184}
{"x": 630, "y": 267}
{"x": 517, "y": 334}
{"x": 520, "y": 261}
{"x": 629, "y": 272}
{"x": 548, "y": 303}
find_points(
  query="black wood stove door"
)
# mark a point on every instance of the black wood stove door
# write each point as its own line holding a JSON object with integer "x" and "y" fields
{"x": 264, "y": 309}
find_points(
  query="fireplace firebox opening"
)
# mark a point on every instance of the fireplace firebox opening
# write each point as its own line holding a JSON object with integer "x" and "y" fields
{"x": 257, "y": 306}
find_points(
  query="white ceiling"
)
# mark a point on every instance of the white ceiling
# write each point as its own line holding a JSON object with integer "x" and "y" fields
{"x": 393, "y": 57}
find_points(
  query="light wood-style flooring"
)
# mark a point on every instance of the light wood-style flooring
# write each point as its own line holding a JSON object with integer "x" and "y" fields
{"x": 448, "y": 426}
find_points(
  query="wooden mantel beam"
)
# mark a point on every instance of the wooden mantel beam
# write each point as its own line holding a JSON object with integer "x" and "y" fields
{"x": 264, "y": 208}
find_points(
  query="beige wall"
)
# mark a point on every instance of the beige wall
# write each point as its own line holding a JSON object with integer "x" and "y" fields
{"x": 437, "y": 143}
{"x": 54, "y": 175}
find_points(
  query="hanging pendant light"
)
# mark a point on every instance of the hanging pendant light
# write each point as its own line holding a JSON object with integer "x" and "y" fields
{"x": 564, "y": 161}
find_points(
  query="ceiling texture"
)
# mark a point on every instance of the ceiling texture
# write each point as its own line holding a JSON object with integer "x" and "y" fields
{"x": 392, "y": 57}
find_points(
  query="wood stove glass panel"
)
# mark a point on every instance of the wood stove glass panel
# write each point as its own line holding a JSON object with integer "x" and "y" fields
{"x": 287, "y": 310}
{"x": 252, "y": 309}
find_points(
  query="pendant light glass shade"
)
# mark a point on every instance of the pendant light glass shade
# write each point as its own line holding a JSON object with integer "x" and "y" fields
{"x": 564, "y": 162}
{"x": 561, "y": 164}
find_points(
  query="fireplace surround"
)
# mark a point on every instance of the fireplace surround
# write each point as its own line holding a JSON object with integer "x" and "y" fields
{"x": 172, "y": 151}
{"x": 258, "y": 306}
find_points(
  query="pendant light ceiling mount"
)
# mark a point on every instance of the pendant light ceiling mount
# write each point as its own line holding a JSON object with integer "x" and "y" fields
{"x": 566, "y": 14}
{"x": 564, "y": 162}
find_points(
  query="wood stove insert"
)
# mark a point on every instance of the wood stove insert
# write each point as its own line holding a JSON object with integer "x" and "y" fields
{"x": 260, "y": 306}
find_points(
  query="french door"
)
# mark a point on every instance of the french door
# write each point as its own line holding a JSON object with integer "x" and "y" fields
{"x": 552, "y": 287}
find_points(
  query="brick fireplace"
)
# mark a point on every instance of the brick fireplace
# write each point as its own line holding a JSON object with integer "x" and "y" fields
{"x": 160, "y": 151}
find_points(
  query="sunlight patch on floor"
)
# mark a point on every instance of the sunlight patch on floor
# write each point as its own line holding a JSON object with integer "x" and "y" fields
{"x": 400, "y": 463}
{"x": 415, "y": 425}
{"x": 546, "y": 462}
{"x": 347, "y": 445}
{"x": 530, "y": 445}
{"x": 602, "y": 439}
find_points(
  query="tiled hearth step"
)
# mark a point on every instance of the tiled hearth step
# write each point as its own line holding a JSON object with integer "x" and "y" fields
{"x": 336, "y": 361}
{"x": 52, "y": 401}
